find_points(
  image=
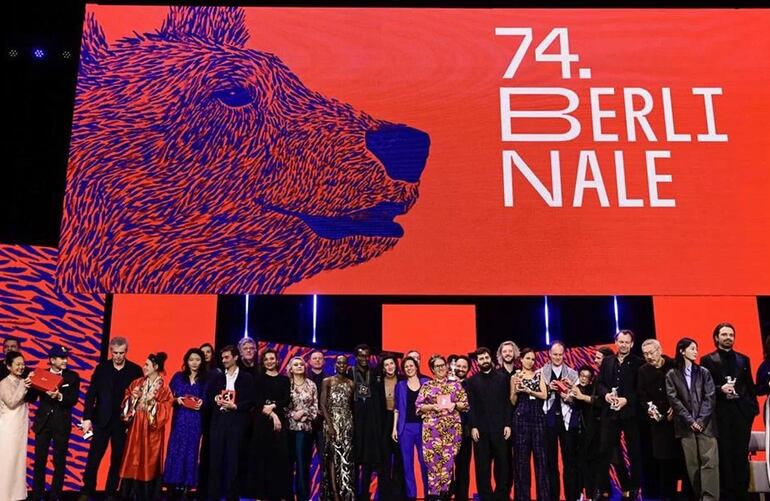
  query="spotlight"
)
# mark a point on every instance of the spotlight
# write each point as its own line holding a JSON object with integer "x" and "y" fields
{"x": 66, "y": 54}
{"x": 13, "y": 53}
{"x": 38, "y": 53}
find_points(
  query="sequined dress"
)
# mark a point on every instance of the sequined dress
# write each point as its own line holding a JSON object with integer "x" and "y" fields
{"x": 339, "y": 452}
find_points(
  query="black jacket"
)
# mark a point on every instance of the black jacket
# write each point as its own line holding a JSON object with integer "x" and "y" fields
{"x": 744, "y": 382}
{"x": 244, "y": 400}
{"x": 626, "y": 386}
{"x": 490, "y": 408}
{"x": 103, "y": 398}
{"x": 54, "y": 413}
{"x": 691, "y": 405}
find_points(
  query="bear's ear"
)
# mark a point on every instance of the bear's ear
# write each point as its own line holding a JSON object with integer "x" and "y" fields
{"x": 220, "y": 25}
{"x": 94, "y": 45}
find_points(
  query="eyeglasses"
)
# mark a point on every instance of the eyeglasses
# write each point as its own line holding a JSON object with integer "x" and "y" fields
{"x": 439, "y": 366}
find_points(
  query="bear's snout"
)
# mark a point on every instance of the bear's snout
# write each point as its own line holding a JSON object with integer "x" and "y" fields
{"x": 402, "y": 150}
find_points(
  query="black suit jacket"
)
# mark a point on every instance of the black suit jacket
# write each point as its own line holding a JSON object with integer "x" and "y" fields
{"x": 54, "y": 413}
{"x": 692, "y": 404}
{"x": 103, "y": 399}
{"x": 244, "y": 400}
{"x": 744, "y": 383}
{"x": 627, "y": 386}
{"x": 497, "y": 412}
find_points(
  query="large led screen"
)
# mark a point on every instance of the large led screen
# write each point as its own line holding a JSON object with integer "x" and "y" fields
{"x": 419, "y": 151}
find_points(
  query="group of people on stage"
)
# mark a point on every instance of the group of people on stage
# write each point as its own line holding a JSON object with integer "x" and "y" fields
{"x": 240, "y": 428}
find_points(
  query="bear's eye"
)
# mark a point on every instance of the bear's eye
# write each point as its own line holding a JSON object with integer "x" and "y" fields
{"x": 235, "y": 96}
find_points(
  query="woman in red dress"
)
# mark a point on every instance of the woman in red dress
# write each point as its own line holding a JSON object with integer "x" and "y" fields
{"x": 147, "y": 407}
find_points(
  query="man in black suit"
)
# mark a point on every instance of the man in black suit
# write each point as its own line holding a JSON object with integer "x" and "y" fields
{"x": 53, "y": 422}
{"x": 230, "y": 396}
{"x": 101, "y": 414}
{"x": 489, "y": 416}
{"x": 9, "y": 344}
{"x": 617, "y": 387}
{"x": 736, "y": 407}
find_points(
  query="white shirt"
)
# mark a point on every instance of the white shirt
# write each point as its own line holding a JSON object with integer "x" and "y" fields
{"x": 230, "y": 379}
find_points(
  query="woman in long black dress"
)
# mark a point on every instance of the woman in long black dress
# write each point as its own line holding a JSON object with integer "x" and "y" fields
{"x": 270, "y": 470}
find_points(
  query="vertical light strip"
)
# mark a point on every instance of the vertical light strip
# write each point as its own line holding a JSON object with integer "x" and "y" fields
{"x": 315, "y": 314}
{"x": 547, "y": 333}
{"x": 246, "y": 319}
{"x": 617, "y": 321}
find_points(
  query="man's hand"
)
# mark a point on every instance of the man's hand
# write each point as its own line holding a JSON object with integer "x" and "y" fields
{"x": 268, "y": 409}
{"x": 87, "y": 425}
{"x": 506, "y": 432}
{"x": 621, "y": 402}
{"x": 475, "y": 434}
{"x": 55, "y": 394}
{"x": 696, "y": 427}
{"x": 670, "y": 414}
{"x": 728, "y": 389}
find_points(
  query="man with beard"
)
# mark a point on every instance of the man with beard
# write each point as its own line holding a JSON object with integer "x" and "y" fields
{"x": 617, "y": 386}
{"x": 368, "y": 431}
{"x": 53, "y": 422}
{"x": 736, "y": 407}
{"x": 652, "y": 396}
{"x": 508, "y": 362}
{"x": 462, "y": 473}
{"x": 490, "y": 418}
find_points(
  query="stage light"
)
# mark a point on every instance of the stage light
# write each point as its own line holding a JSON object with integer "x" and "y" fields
{"x": 246, "y": 318}
{"x": 13, "y": 53}
{"x": 315, "y": 314}
{"x": 617, "y": 321}
{"x": 547, "y": 332}
{"x": 38, "y": 53}
{"x": 66, "y": 54}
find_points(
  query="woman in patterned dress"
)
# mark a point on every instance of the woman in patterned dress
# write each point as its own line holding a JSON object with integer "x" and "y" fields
{"x": 147, "y": 407}
{"x": 181, "y": 469}
{"x": 439, "y": 404}
{"x": 337, "y": 405}
{"x": 301, "y": 411}
{"x": 528, "y": 390}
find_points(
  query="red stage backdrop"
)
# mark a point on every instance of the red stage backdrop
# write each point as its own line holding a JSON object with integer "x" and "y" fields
{"x": 420, "y": 151}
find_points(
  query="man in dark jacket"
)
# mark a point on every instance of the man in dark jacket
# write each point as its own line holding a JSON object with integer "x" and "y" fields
{"x": 489, "y": 417}
{"x": 617, "y": 386}
{"x": 736, "y": 407}
{"x": 101, "y": 414}
{"x": 53, "y": 422}
{"x": 659, "y": 416}
{"x": 230, "y": 395}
